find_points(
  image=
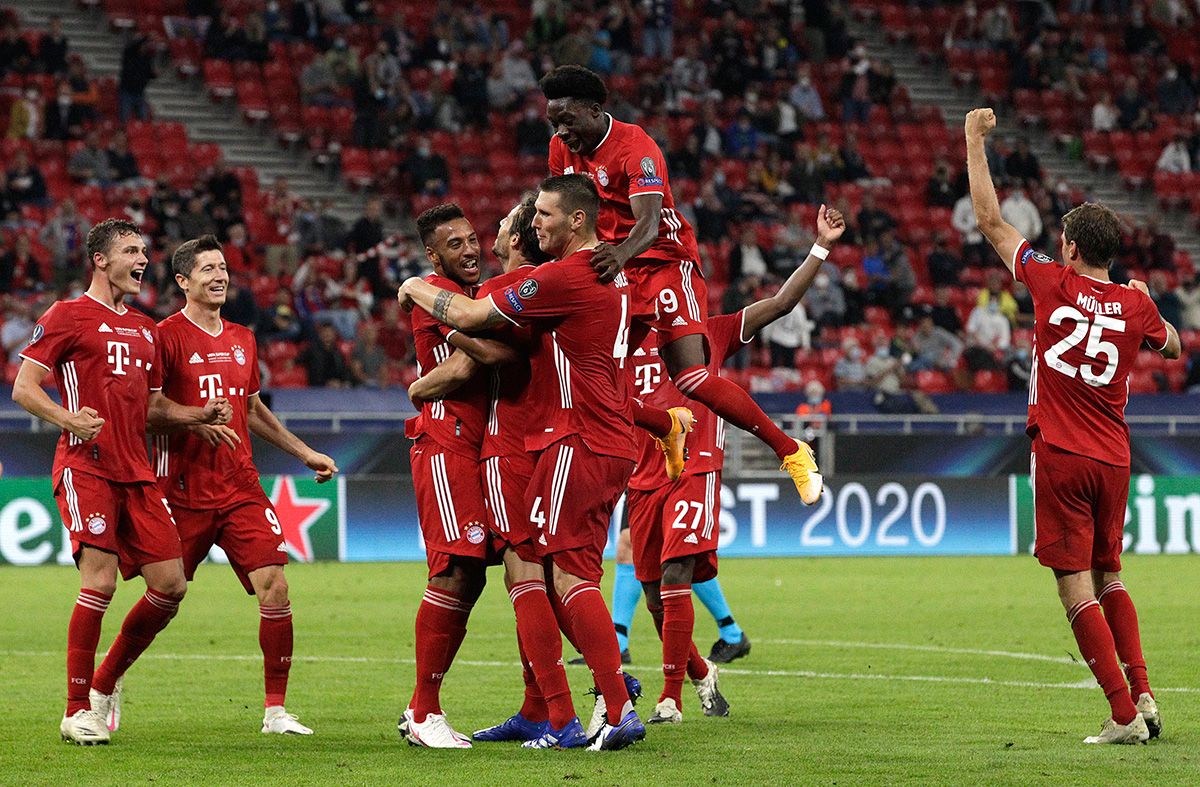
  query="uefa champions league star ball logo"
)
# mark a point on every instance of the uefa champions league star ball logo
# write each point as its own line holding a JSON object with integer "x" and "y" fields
{"x": 239, "y": 355}
{"x": 147, "y": 335}
{"x": 475, "y": 533}
{"x": 96, "y": 524}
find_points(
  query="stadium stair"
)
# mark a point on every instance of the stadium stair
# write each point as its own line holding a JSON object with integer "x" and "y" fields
{"x": 174, "y": 99}
{"x": 932, "y": 83}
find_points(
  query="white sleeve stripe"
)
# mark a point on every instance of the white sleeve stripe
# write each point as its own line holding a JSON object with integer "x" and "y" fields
{"x": 492, "y": 299}
{"x": 35, "y": 360}
{"x": 642, "y": 193}
{"x": 742, "y": 330}
{"x": 1015, "y": 254}
{"x": 1168, "y": 339}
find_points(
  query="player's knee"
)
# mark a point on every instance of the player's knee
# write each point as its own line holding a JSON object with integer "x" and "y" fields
{"x": 274, "y": 589}
{"x": 678, "y": 572}
{"x": 103, "y": 586}
{"x": 175, "y": 587}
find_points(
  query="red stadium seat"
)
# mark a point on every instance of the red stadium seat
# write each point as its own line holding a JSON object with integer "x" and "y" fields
{"x": 356, "y": 167}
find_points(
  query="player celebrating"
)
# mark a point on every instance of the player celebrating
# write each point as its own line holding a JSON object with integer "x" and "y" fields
{"x": 1087, "y": 333}
{"x": 673, "y": 524}
{"x": 644, "y": 235}
{"x": 208, "y": 473}
{"x": 103, "y": 357}
{"x": 585, "y": 451}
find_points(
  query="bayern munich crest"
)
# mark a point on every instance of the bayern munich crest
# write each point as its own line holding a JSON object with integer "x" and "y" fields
{"x": 239, "y": 355}
{"x": 602, "y": 176}
{"x": 146, "y": 333}
{"x": 475, "y": 533}
{"x": 97, "y": 525}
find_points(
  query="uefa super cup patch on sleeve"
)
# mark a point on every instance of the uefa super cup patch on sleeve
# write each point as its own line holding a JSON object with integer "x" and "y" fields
{"x": 39, "y": 331}
{"x": 511, "y": 296}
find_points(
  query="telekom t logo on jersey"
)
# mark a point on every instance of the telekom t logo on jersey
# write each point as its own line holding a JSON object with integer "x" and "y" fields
{"x": 118, "y": 356}
{"x": 647, "y": 376}
{"x": 210, "y": 386}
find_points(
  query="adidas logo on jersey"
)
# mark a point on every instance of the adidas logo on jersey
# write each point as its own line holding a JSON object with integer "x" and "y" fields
{"x": 678, "y": 321}
{"x": 690, "y": 538}
{"x": 195, "y": 358}
{"x": 104, "y": 328}
{"x": 542, "y": 539}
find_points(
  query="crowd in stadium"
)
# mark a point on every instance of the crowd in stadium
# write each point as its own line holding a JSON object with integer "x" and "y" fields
{"x": 768, "y": 110}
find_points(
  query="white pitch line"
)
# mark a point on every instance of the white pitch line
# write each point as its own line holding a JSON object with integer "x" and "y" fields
{"x": 513, "y": 665}
{"x": 1008, "y": 654}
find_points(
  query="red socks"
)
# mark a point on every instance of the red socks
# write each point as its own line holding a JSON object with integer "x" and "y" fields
{"x": 542, "y": 651}
{"x": 83, "y": 637}
{"x": 1123, "y": 622}
{"x": 654, "y": 420}
{"x": 149, "y": 616}
{"x": 534, "y": 707}
{"x": 1096, "y": 646}
{"x": 275, "y": 639}
{"x": 597, "y": 640}
{"x": 697, "y": 669}
{"x": 678, "y": 620}
{"x": 728, "y": 400}
{"x": 438, "y": 619}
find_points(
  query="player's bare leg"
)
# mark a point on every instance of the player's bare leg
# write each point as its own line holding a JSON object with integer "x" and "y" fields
{"x": 82, "y": 724}
{"x": 275, "y": 638}
{"x": 594, "y": 635}
{"x": 441, "y": 626}
{"x": 1122, "y": 619}
{"x": 165, "y": 588}
{"x": 1077, "y": 593}
{"x": 687, "y": 359}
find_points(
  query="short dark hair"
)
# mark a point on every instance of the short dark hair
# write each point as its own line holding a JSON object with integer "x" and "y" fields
{"x": 184, "y": 258}
{"x": 1096, "y": 232}
{"x": 574, "y": 82}
{"x": 575, "y": 192}
{"x": 430, "y": 220}
{"x": 100, "y": 238}
{"x": 522, "y": 229}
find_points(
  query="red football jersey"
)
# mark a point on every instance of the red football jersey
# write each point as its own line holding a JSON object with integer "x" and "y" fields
{"x": 508, "y": 385}
{"x": 1087, "y": 334}
{"x": 106, "y": 360}
{"x": 580, "y": 340}
{"x": 455, "y": 422}
{"x": 652, "y": 384}
{"x": 197, "y": 366}
{"x": 626, "y": 163}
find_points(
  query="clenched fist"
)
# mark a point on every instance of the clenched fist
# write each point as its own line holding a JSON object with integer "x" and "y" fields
{"x": 84, "y": 424}
{"x": 980, "y": 122}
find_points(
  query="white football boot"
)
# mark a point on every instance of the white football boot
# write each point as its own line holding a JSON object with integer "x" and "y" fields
{"x": 278, "y": 721}
{"x": 1149, "y": 710}
{"x": 711, "y": 699}
{"x": 1135, "y": 731}
{"x": 108, "y": 705}
{"x": 666, "y": 712}
{"x": 85, "y": 727}
{"x": 599, "y": 715}
{"x": 435, "y": 733}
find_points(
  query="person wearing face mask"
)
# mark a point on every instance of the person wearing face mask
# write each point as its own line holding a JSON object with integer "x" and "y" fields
{"x": 850, "y": 371}
{"x": 428, "y": 170}
{"x": 825, "y": 302}
{"x": 1175, "y": 94}
{"x": 805, "y": 98}
{"x": 24, "y": 118}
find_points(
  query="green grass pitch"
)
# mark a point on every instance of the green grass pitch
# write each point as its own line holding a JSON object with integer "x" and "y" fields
{"x": 864, "y": 671}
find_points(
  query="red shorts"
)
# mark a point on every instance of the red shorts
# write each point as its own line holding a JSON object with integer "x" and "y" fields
{"x": 1078, "y": 509}
{"x": 449, "y": 505}
{"x": 132, "y": 521}
{"x": 571, "y": 498}
{"x": 676, "y": 521}
{"x": 505, "y": 481}
{"x": 671, "y": 296}
{"x": 247, "y": 529}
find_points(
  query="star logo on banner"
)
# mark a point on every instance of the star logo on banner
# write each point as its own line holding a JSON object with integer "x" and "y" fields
{"x": 296, "y": 515}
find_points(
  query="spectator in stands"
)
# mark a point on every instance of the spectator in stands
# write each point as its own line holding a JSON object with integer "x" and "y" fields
{"x": 748, "y": 258}
{"x": 993, "y": 290}
{"x": 1153, "y": 247}
{"x": 966, "y": 30}
{"x": 26, "y": 115}
{"x": 742, "y": 139}
{"x": 137, "y": 71}
{"x": 850, "y": 371}
{"x": 470, "y": 88}
{"x": 1188, "y": 293}
{"x": 1140, "y": 37}
{"x": 343, "y": 61}
{"x": 20, "y": 269}
{"x": 1104, "y": 113}
{"x": 533, "y": 135}
{"x": 319, "y": 229}
{"x": 1133, "y": 110}
{"x": 121, "y": 162}
{"x": 943, "y": 312}
{"x": 1019, "y": 366}
{"x": 318, "y": 85}
{"x": 999, "y": 32}
{"x": 989, "y": 334}
{"x": 885, "y": 376}
{"x": 255, "y": 47}
{"x": 855, "y": 89}
{"x": 854, "y": 166}
{"x": 882, "y": 83}
{"x": 63, "y": 118}
{"x": 223, "y": 187}
{"x": 17, "y": 328}
{"x": 65, "y": 235}
{"x": 1019, "y": 211}
{"x": 15, "y": 55}
{"x": 943, "y": 265}
{"x": 804, "y": 96}
{"x": 941, "y": 191}
{"x": 1029, "y": 71}
{"x": 25, "y": 181}
{"x": 824, "y": 301}
{"x": 1165, "y": 298}
{"x": 901, "y": 278}
{"x": 52, "y": 48}
{"x": 369, "y": 363}
{"x": 195, "y": 221}
{"x": 1174, "y": 93}
{"x": 326, "y": 364}
{"x": 789, "y": 333}
{"x": 308, "y": 22}
{"x": 873, "y": 221}
{"x": 934, "y": 347}
{"x": 89, "y": 164}
{"x": 427, "y": 170}
{"x": 367, "y": 231}
{"x": 1022, "y": 165}
{"x": 278, "y": 322}
{"x": 1175, "y": 157}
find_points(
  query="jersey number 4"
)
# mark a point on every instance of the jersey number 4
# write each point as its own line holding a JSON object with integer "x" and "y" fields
{"x": 1095, "y": 349}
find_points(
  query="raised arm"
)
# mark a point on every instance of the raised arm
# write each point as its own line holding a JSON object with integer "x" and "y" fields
{"x": 457, "y": 311}
{"x": 263, "y": 423}
{"x": 28, "y": 392}
{"x": 1003, "y": 236}
{"x": 647, "y": 212}
{"x": 758, "y": 315}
